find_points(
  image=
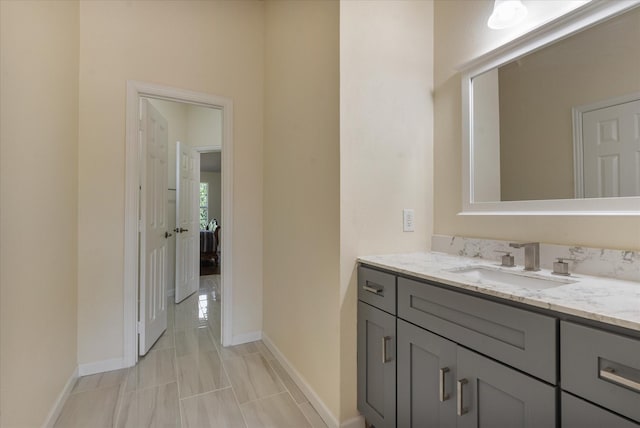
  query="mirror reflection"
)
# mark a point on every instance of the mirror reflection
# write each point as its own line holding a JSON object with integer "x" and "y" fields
{"x": 562, "y": 122}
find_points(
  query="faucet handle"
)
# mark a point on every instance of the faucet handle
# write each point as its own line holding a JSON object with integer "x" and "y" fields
{"x": 507, "y": 260}
{"x": 561, "y": 267}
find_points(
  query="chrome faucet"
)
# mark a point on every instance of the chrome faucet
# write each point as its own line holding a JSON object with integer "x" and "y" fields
{"x": 531, "y": 254}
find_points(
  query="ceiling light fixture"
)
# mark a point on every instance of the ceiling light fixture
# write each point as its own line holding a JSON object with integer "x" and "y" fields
{"x": 506, "y": 13}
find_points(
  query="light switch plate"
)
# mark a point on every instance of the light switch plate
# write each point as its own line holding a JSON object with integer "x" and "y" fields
{"x": 407, "y": 220}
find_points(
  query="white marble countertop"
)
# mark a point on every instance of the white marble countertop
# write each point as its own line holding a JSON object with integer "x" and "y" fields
{"x": 611, "y": 301}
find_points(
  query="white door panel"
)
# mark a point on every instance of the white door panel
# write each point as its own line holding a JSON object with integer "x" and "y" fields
{"x": 611, "y": 138}
{"x": 187, "y": 221}
{"x": 154, "y": 227}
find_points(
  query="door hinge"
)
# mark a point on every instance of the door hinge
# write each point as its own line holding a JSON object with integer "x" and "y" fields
{"x": 139, "y": 327}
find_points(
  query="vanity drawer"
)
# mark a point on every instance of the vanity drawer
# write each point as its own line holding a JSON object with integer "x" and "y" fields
{"x": 522, "y": 339}
{"x": 602, "y": 367}
{"x": 577, "y": 413}
{"x": 377, "y": 289}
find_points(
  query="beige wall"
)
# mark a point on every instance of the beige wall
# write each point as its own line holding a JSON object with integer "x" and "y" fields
{"x": 212, "y": 47}
{"x": 460, "y": 35}
{"x": 386, "y": 143}
{"x": 301, "y": 190}
{"x": 38, "y": 208}
{"x": 204, "y": 126}
{"x": 536, "y": 130}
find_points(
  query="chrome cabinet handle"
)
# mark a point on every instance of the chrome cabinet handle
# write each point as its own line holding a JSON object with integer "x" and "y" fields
{"x": 372, "y": 290}
{"x": 443, "y": 395}
{"x": 461, "y": 409}
{"x": 610, "y": 374}
{"x": 385, "y": 339}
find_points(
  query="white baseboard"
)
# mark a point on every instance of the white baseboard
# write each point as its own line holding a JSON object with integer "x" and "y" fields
{"x": 304, "y": 386}
{"x": 52, "y": 417}
{"x": 239, "y": 339}
{"x": 101, "y": 366}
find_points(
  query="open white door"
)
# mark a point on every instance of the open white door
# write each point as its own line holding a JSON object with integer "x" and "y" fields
{"x": 611, "y": 138}
{"x": 187, "y": 221}
{"x": 153, "y": 230}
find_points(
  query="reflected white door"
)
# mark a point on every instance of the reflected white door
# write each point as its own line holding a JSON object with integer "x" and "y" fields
{"x": 611, "y": 138}
{"x": 187, "y": 221}
{"x": 154, "y": 224}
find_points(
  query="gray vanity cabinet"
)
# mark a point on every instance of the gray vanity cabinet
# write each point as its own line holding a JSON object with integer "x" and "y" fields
{"x": 376, "y": 366}
{"x": 470, "y": 362}
{"x": 577, "y": 413}
{"x": 601, "y": 367}
{"x": 441, "y": 385}
{"x": 522, "y": 339}
{"x": 426, "y": 379}
{"x": 493, "y": 395}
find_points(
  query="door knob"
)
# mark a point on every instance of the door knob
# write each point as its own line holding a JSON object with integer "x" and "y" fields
{"x": 167, "y": 234}
{"x": 180, "y": 230}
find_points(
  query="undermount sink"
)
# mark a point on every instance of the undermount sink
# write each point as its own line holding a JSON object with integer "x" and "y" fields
{"x": 491, "y": 275}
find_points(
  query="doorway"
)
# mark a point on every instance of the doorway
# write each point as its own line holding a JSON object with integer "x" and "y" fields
{"x": 607, "y": 147}
{"x": 135, "y": 169}
{"x": 210, "y": 212}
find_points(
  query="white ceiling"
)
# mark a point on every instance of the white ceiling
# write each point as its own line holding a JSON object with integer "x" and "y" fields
{"x": 210, "y": 162}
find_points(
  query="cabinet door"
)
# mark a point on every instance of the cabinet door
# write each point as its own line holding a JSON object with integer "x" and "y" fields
{"x": 426, "y": 379}
{"x": 577, "y": 413}
{"x": 495, "y": 395}
{"x": 376, "y": 366}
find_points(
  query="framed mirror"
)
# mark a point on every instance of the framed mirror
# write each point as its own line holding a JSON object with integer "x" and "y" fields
{"x": 551, "y": 121}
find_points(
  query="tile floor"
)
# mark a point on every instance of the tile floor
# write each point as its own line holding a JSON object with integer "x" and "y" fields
{"x": 189, "y": 380}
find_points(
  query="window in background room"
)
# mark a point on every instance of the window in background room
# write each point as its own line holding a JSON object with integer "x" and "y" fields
{"x": 204, "y": 205}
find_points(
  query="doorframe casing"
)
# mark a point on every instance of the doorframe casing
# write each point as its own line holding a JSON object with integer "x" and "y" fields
{"x": 133, "y": 172}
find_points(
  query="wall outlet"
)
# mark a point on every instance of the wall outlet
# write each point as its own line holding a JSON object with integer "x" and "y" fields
{"x": 407, "y": 220}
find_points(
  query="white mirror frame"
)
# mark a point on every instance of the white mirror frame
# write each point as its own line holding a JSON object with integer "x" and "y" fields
{"x": 563, "y": 27}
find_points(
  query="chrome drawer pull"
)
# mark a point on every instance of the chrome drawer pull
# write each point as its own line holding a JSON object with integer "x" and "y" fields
{"x": 372, "y": 290}
{"x": 443, "y": 395}
{"x": 385, "y": 360}
{"x": 610, "y": 374}
{"x": 461, "y": 409}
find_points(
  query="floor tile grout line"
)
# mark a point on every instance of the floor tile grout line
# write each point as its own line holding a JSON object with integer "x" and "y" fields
{"x": 200, "y": 394}
{"x": 283, "y": 382}
{"x": 122, "y": 392}
{"x": 265, "y": 397}
{"x": 146, "y": 388}
{"x": 180, "y": 398}
{"x": 305, "y": 415}
{"x": 302, "y": 411}
{"x": 74, "y": 392}
{"x": 298, "y": 405}
{"x": 175, "y": 362}
{"x": 286, "y": 391}
{"x": 235, "y": 396}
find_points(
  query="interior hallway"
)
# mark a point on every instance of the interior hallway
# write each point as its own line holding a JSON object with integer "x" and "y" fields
{"x": 189, "y": 380}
